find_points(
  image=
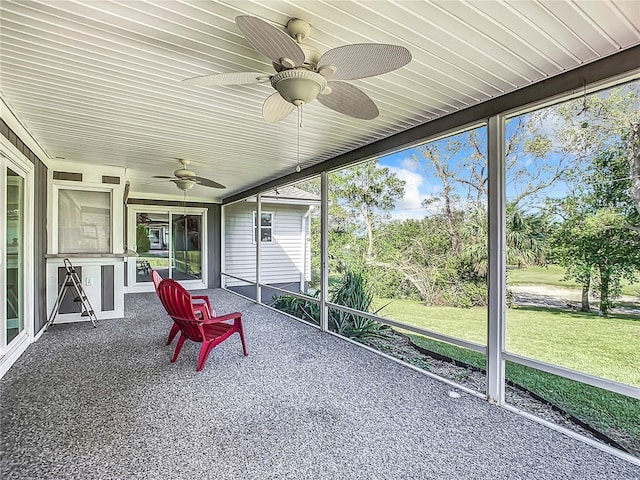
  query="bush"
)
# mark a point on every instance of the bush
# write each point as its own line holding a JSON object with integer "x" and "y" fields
{"x": 142, "y": 239}
{"x": 465, "y": 294}
{"x": 350, "y": 292}
{"x": 298, "y": 307}
{"x": 390, "y": 283}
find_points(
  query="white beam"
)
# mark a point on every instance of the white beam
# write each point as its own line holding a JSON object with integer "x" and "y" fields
{"x": 497, "y": 274}
{"x": 324, "y": 251}
{"x": 258, "y": 234}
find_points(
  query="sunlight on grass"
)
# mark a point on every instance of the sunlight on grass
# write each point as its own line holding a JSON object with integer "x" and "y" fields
{"x": 587, "y": 343}
{"x": 553, "y": 275}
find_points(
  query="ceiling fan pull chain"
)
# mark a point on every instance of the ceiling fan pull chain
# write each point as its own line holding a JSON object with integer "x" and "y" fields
{"x": 184, "y": 205}
{"x": 299, "y": 127}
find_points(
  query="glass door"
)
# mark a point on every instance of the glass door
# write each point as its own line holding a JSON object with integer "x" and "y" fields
{"x": 169, "y": 241}
{"x": 14, "y": 257}
{"x": 152, "y": 245}
{"x": 186, "y": 251}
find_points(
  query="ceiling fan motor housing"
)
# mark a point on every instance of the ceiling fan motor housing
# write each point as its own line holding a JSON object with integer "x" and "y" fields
{"x": 183, "y": 172}
{"x": 298, "y": 86}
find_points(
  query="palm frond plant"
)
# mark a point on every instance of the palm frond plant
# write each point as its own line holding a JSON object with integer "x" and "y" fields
{"x": 352, "y": 292}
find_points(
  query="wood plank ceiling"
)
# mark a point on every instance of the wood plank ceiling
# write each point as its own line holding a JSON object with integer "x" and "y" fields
{"x": 99, "y": 82}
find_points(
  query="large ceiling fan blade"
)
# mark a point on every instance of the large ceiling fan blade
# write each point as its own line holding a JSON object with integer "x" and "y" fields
{"x": 233, "y": 78}
{"x": 165, "y": 177}
{"x": 271, "y": 42}
{"x": 349, "y": 100}
{"x": 362, "y": 60}
{"x": 276, "y": 108}
{"x": 207, "y": 183}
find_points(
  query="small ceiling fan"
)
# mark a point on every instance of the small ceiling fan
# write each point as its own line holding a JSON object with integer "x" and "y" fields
{"x": 186, "y": 179}
{"x": 303, "y": 73}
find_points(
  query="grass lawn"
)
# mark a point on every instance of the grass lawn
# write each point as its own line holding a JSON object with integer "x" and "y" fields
{"x": 553, "y": 275}
{"x": 605, "y": 347}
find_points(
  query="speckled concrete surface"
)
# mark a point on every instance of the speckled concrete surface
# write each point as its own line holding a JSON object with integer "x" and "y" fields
{"x": 105, "y": 403}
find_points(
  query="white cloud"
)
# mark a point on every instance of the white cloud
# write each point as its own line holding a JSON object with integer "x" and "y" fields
{"x": 409, "y": 163}
{"x": 409, "y": 206}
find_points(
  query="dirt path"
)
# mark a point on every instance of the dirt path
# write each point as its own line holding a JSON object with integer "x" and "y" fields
{"x": 567, "y": 298}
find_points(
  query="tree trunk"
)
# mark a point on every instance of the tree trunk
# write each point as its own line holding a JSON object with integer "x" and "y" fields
{"x": 585, "y": 297}
{"x": 369, "y": 225}
{"x": 605, "y": 278}
{"x": 448, "y": 210}
{"x": 634, "y": 161}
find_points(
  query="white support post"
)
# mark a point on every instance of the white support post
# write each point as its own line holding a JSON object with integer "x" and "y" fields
{"x": 223, "y": 248}
{"x": 258, "y": 234}
{"x": 324, "y": 251}
{"x": 497, "y": 273}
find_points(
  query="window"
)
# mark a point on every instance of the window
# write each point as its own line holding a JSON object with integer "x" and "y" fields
{"x": 266, "y": 226}
{"x": 84, "y": 221}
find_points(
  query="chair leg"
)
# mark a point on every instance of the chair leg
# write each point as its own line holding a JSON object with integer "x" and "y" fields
{"x": 178, "y": 348}
{"x": 238, "y": 323}
{"x": 205, "y": 350}
{"x": 172, "y": 334}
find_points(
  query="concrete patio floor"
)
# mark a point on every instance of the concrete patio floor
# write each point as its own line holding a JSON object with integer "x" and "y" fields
{"x": 105, "y": 403}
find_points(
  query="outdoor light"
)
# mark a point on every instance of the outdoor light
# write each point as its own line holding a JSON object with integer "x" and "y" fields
{"x": 298, "y": 86}
{"x": 184, "y": 184}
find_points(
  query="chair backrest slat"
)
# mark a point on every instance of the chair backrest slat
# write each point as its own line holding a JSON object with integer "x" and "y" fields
{"x": 177, "y": 301}
{"x": 156, "y": 279}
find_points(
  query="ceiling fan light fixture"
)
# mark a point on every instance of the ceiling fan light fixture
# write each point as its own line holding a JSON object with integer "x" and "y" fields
{"x": 298, "y": 86}
{"x": 184, "y": 184}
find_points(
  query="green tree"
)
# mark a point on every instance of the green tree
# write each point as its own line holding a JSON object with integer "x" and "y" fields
{"x": 594, "y": 241}
{"x": 421, "y": 252}
{"x": 142, "y": 239}
{"x": 526, "y": 239}
{"x": 368, "y": 192}
{"x": 600, "y": 121}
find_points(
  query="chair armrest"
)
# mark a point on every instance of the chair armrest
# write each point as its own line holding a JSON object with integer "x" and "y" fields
{"x": 221, "y": 318}
{"x": 204, "y": 298}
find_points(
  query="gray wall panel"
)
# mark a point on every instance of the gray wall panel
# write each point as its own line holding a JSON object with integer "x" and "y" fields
{"x": 40, "y": 227}
{"x": 68, "y": 305}
{"x": 107, "y": 283}
{"x": 40, "y": 245}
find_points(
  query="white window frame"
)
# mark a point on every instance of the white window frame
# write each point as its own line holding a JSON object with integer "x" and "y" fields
{"x": 116, "y": 246}
{"x": 132, "y": 211}
{"x": 270, "y": 227}
{"x": 15, "y": 160}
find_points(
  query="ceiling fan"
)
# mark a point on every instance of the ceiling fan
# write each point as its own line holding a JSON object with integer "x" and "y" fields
{"x": 186, "y": 179}
{"x": 303, "y": 73}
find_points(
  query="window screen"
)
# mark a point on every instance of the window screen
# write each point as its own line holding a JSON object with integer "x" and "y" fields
{"x": 84, "y": 221}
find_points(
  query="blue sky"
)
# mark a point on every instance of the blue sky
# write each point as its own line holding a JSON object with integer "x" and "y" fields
{"x": 421, "y": 184}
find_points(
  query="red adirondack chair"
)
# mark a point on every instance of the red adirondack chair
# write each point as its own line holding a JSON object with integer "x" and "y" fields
{"x": 210, "y": 331}
{"x": 201, "y": 305}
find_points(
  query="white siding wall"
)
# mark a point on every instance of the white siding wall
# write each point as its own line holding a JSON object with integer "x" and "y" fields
{"x": 306, "y": 225}
{"x": 282, "y": 259}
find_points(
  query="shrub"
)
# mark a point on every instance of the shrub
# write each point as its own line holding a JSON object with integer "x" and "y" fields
{"x": 142, "y": 239}
{"x": 298, "y": 307}
{"x": 350, "y": 292}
